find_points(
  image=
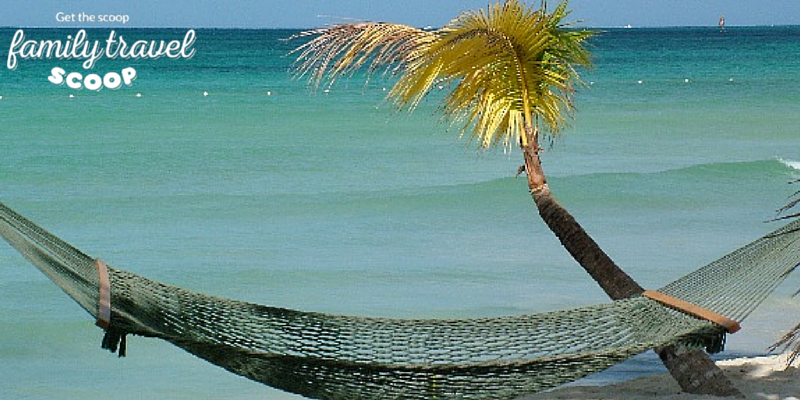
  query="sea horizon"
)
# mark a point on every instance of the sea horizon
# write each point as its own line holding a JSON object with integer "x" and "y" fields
{"x": 225, "y": 174}
{"x": 577, "y": 27}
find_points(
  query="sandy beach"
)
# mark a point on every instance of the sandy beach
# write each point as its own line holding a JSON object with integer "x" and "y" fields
{"x": 762, "y": 378}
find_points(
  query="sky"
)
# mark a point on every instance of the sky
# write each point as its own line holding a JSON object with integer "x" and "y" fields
{"x": 421, "y": 13}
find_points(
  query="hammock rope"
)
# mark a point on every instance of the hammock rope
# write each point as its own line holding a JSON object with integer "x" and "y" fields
{"x": 344, "y": 357}
{"x": 686, "y": 307}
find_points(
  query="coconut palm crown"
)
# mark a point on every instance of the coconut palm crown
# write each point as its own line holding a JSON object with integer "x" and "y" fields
{"x": 511, "y": 68}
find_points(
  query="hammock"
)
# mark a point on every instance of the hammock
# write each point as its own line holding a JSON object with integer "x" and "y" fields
{"x": 341, "y": 357}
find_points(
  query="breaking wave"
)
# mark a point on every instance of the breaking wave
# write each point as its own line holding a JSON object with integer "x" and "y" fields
{"x": 790, "y": 163}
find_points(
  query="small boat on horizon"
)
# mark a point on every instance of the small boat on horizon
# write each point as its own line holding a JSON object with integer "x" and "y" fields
{"x": 722, "y": 22}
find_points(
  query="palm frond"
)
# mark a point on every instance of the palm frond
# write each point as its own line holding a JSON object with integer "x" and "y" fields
{"x": 789, "y": 340}
{"x": 510, "y": 67}
{"x": 345, "y": 48}
{"x": 793, "y": 202}
{"x": 792, "y": 338}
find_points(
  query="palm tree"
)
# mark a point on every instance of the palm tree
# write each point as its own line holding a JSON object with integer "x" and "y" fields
{"x": 511, "y": 73}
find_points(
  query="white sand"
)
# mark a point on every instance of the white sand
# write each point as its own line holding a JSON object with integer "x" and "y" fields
{"x": 760, "y": 378}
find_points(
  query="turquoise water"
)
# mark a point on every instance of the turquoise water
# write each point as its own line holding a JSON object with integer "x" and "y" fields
{"x": 267, "y": 191}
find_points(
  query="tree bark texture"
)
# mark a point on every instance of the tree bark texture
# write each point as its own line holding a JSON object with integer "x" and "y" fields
{"x": 694, "y": 371}
{"x": 614, "y": 281}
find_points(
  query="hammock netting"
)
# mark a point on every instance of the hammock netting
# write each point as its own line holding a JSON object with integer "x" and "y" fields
{"x": 342, "y": 357}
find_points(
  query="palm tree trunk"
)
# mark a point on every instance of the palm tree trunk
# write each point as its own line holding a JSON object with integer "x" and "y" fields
{"x": 691, "y": 368}
{"x": 614, "y": 281}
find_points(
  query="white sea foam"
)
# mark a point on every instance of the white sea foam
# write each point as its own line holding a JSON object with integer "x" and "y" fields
{"x": 790, "y": 163}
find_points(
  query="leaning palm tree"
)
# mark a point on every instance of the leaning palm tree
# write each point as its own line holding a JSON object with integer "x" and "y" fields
{"x": 511, "y": 73}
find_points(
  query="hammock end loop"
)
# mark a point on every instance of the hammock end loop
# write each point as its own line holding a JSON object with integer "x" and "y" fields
{"x": 115, "y": 341}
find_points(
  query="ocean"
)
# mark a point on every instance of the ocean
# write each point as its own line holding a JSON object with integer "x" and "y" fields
{"x": 227, "y": 175}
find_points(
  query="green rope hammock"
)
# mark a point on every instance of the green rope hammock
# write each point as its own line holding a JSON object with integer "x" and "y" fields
{"x": 342, "y": 357}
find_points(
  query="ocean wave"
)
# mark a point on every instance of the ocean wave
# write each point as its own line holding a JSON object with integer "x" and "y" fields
{"x": 790, "y": 163}
{"x": 776, "y": 166}
{"x": 509, "y": 192}
{"x": 689, "y": 185}
{"x": 754, "y": 168}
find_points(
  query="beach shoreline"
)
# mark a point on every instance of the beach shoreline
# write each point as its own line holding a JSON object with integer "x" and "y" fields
{"x": 763, "y": 378}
